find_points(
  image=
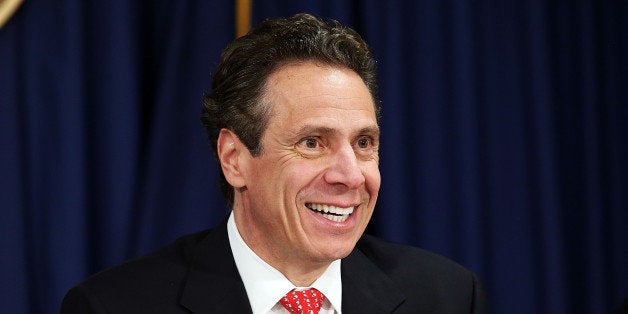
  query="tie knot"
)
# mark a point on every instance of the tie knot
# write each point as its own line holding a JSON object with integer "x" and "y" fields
{"x": 308, "y": 301}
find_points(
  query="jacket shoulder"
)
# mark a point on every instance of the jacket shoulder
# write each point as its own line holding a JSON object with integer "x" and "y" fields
{"x": 150, "y": 280}
{"x": 172, "y": 259}
{"x": 428, "y": 280}
{"x": 395, "y": 258}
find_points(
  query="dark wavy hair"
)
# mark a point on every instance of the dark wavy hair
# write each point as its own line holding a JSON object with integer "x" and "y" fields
{"x": 235, "y": 101}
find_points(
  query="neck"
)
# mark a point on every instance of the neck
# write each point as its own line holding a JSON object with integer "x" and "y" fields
{"x": 299, "y": 270}
{"x": 302, "y": 277}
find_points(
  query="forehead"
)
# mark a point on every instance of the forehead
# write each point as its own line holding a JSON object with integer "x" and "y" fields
{"x": 303, "y": 90}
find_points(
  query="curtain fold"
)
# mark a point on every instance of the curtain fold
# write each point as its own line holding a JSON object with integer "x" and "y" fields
{"x": 103, "y": 153}
{"x": 504, "y": 144}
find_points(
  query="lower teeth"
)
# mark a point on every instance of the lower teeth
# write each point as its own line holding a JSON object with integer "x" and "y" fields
{"x": 335, "y": 217}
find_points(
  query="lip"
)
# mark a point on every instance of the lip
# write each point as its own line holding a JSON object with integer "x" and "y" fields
{"x": 335, "y": 226}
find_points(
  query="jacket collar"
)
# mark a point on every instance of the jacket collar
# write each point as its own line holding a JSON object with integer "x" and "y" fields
{"x": 213, "y": 284}
{"x": 366, "y": 288}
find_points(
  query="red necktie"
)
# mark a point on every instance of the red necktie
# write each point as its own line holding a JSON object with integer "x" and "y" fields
{"x": 307, "y": 301}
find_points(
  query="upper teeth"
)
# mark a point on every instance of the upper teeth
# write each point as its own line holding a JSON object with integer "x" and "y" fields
{"x": 331, "y": 209}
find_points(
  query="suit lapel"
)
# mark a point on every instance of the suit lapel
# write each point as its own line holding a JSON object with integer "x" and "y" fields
{"x": 213, "y": 284}
{"x": 365, "y": 288}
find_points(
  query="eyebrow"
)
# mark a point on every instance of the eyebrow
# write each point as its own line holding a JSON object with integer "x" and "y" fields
{"x": 372, "y": 130}
{"x": 323, "y": 130}
{"x": 314, "y": 129}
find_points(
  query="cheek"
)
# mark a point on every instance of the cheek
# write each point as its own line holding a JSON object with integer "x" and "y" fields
{"x": 264, "y": 184}
{"x": 298, "y": 181}
{"x": 373, "y": 178}
{"x": 281, "y": 185}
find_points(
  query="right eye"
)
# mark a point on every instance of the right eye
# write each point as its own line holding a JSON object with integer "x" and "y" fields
{"x": 310, "y": 143}
{"x": 311, "y": 146}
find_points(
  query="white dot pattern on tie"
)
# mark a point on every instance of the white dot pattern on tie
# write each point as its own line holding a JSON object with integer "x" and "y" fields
{"x": 308, "y": 301}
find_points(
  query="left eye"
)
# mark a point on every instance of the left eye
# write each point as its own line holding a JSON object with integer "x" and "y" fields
{"x": 310, "y": 143}
{"x": 364, "y": 143}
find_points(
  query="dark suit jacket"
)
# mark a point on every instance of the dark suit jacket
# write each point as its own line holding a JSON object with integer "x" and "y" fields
{"x": 197, "y": 274}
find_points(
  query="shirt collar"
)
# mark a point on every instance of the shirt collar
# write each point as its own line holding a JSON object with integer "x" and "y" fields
{"x": 265, "y": 285}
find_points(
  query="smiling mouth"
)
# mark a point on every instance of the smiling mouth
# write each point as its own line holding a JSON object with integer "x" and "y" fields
{"x": 333, "y": 213}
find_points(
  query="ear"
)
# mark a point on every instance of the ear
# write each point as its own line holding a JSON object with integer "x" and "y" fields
{"x": 230, "y": 152}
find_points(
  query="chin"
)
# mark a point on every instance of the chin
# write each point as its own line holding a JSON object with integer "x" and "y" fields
{"x": 338, "y": 252}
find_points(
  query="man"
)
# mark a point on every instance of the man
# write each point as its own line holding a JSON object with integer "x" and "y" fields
{"x": 293, "y": 120}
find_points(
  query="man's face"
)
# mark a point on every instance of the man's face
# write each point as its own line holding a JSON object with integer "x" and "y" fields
{"x": 311, "y": 193}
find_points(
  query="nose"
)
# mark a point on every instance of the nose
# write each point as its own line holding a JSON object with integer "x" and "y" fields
{"x": 344, "y": 169}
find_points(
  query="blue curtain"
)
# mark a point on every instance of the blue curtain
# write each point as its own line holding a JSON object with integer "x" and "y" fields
{"x": 103, "y": 154}
{"x": 504, "y": 139}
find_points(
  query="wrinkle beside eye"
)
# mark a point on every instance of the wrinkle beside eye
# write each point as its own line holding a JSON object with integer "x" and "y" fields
{"x": 288, "y": 156}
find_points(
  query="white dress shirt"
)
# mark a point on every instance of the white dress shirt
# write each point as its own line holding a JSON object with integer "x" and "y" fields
{"x": 265, "y": 285}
